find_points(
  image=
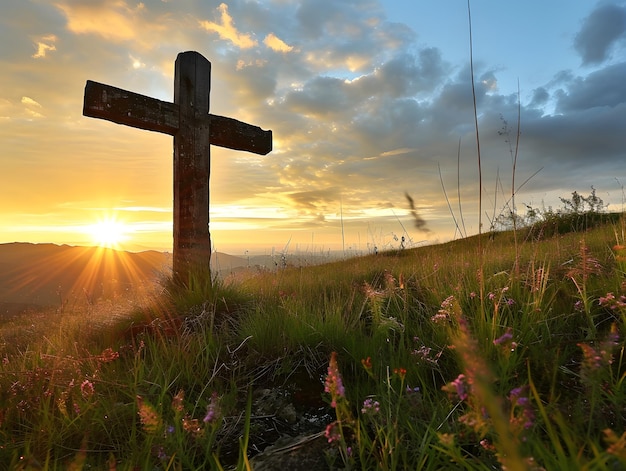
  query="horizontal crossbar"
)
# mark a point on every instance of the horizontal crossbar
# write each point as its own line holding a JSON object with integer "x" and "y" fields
{"x": 143, "y": 112}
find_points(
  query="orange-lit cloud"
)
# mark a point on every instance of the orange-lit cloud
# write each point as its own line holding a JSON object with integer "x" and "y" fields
{"x": 113, "y": 20}
{"x": 31, "y": 107}
{"x": 44, "y": 44}
{"x": 226, "y": 29}
{"x": 275, "y": 43}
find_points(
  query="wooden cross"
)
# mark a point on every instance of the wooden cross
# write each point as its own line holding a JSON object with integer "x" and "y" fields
{"x": 194, "y": 130}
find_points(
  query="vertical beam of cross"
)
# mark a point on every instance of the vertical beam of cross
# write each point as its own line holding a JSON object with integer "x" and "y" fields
{"x": 192, "y": 240}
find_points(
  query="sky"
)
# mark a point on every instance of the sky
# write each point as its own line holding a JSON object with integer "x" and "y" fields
{"x": 368, "y": 100}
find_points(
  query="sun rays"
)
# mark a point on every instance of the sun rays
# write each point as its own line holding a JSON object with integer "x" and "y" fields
{"x": 109, "y": 232}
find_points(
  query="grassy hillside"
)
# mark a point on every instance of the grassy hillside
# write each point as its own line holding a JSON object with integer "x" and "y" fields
{"x": 484, "y": 353}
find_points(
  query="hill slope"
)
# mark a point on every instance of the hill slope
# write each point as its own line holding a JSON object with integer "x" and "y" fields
{"x": 49, "y": 274}
{"x": 36, "y": 275}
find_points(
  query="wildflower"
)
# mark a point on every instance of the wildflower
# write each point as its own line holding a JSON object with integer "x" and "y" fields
{"x": 332, "y": 432}
{"x": 192, "y": 426}
{"x": 617, "y": 445}
{"x": 592, "y": 360}
{"x": 458, "y": 387}
{"x": 5, "y": 359}
{"x": 612, "y": 302}
{"x": 148, "y": 416}
{"x": 448, "y": 303}
{"x": 612, "y": 339}
{"x": 87, "y": 389}
{"x": 519, "y": 399}
{"x": 108, "y": 355}
{"x": 487, "y": 445}
{"x": 334, "y": 383}
{"x": 504, "y": 338}
{"x": 161, "y": 455}
{"x": 177, "y": 401}
{"x": 446, "y": 439}
{"x": 370, "y": 407}
{"x": 390, "y": 282}
{"x": 76, "y": 408}
{"x": 401, "y": 372}
{"x": 423, "y": 353}
{"x": 370, "y": 292}
{"x": 61, "y": 404}
{"x": 606, "y": 300}
{"x": 448, "y": 307}
{"x": 212, "y": 410}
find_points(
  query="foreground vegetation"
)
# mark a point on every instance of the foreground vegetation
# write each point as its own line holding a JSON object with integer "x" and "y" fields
{"x": 441, "y": 357}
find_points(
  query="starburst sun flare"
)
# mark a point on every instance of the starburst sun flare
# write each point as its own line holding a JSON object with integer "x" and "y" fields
{"x": 109, "y": 232}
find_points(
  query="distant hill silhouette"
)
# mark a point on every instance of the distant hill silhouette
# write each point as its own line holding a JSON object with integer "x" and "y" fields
{"x": 37, "y": 275}
{"x": 33, "y": 276}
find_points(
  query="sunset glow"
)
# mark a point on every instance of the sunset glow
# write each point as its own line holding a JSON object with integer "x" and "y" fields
{"x": 109, "y": 233}
{"x": 367, "y": 101}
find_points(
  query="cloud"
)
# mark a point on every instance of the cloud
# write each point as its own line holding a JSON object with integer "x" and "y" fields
{"x": 540, "y": 97}
{"x": 30, "y": 102}
{"x": 361, "y": 111}
{"x": 226, "y": 29}
{"x": 401, "y": 151}
{"x": 604, "y": 87}
{"x": 113, "y": 20}
{"x": 601, "y": 30}
{"x": 44, "y": 44}
{"x": 276, "y": 44}
{"x": 31, "y": 107}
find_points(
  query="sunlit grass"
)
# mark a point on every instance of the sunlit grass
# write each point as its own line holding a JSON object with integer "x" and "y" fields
{"x": 531, "y": 376}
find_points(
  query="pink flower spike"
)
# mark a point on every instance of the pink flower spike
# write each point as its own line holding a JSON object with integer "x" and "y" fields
{"x": 334, "y": 383}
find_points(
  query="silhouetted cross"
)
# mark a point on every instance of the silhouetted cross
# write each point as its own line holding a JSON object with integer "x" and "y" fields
{"x": 194, "y": 130}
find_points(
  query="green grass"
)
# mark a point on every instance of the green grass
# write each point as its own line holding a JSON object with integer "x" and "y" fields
{"x": 444, "y": 360}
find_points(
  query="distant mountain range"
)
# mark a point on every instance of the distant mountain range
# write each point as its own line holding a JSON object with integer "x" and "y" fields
{"x": 33, "y": 276}
{"x": 37, "y": 275}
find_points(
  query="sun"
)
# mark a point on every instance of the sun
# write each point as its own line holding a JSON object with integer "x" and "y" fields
{"x": 109, "y": 232}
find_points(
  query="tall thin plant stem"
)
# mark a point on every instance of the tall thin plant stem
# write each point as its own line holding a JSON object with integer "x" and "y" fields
{"x": 456, "y": 224}
{"x": 458, "y": 186}
{"x": 343, "y": 236}
{"x": 480, "y": 175}
{"x": 517, "y": 137}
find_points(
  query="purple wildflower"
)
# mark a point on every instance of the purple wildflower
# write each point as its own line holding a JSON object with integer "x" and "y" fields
{"x": 370, "y": 406}
{"x": 212, "y": 410}
{"x": 458, "y": 387}
{"x": 520, "y": 399}
{"x": 504, "y": 338}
